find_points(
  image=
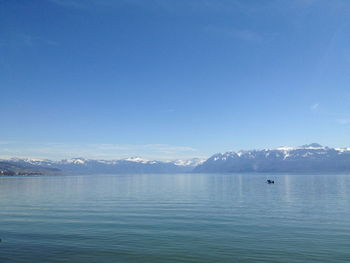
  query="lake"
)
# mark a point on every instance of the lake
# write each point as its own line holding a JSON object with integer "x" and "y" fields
{"x": 175, "y": 218}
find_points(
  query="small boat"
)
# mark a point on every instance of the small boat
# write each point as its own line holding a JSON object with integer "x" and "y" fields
{"x": 270, "y": 181}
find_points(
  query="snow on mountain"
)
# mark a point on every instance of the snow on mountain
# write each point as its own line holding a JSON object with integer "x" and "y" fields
{"x": 282, "y": 152}
{"x": 342, "y": 150}
{"x": 127, "y": 165}
{"x": 137, "y": 160}
{"x": 306, "y": 158}
{"x": 311, "y": 157}
{"x": 74, "y": 161}
{"x": 30, "y": 161}
{"x": 190, "y": 162}
{"x": 26, "y": 166}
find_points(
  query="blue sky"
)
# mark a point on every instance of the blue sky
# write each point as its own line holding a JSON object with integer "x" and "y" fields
{"x": 167, "y": 79}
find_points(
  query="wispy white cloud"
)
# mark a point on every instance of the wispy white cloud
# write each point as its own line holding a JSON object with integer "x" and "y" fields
{"x": 343, "y": 121}
{"x": 6, "y": 142}
{"x": 169, "y": 110}
{"x": 314, "y": 107}
{"x": 240, "y": 34}
{"x": 244, "y": 6}
{"x": 96, "y": 151}
{"x": 26, "y": 40}
{"x": 92, "y": 4}
{"x": 69, "y": 3}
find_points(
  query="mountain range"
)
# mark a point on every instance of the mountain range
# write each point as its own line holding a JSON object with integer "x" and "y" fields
{"x": 15, "y": 166}
{"x": 307, "y": 158}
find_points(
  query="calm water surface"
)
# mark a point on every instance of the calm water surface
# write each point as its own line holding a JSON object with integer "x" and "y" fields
{"x": 175, "y": 218}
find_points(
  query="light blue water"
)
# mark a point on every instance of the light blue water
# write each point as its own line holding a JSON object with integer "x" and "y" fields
{"x": 175, "y": 218}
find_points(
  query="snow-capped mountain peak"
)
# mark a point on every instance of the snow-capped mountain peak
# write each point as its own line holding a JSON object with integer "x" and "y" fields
{"x": 136, "y": 160}
{"x": 312, "y": 146}
{"x": 341, "y": 150}
{"x": 127, "y": 165}
{"x": 75, "y": 161}
{"x": 285, "y": 148}
{"x": 190, "y": 162}
{"x": 310, "y": 157}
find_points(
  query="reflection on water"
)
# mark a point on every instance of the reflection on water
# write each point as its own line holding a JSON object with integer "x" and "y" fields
{"x": 175, "y": 218}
